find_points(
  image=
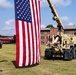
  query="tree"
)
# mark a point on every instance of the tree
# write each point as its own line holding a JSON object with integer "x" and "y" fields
{"x": 50, "y": 26}
{"x": 0, "y": 35}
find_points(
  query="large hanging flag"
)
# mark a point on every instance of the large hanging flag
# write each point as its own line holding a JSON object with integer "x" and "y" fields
{"x": 27, "y": 14}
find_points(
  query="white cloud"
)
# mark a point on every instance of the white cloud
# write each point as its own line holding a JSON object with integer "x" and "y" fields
{"x": 62, "y": 2}
{"x": 65, "y": 18}
{"x": 70, "y": 24}
{"x": 44, "y": 3}
{"x": 5, "y": 3}
{"x": 43, "y": 26}
{"x": 9, "y": 25}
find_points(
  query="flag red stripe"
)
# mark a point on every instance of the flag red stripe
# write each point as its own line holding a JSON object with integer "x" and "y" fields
{"x": 36, "y": 27}
{"x": 32, "y": 44}
{"x": 26, "y": 41}
{"x": 35, "y": 32}
{"x": 17, "y": 43}
{"x": 37, "y": 15}
{"x": 24, "y": 45}
{"x": 39, "y": 18}
{"x": 36, "y": 1}
{"x": 29, "y": 44}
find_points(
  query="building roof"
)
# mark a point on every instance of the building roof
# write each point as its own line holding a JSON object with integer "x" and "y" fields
{"x": 45, "y": 28}
{"x": 70, "y": 27}
{"x": 65, "y": 27}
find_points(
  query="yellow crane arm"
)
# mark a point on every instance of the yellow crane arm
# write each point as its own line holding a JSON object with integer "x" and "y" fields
{"x": 56, "y": 17}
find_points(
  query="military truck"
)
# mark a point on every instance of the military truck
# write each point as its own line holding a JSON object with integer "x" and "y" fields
{"x": 60, "y": 45}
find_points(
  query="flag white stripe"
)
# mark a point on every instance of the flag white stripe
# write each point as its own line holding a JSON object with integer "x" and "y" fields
{"x": 26, "y": 42}
{"x": 21, "y": 44}
{"x": 33, "y": 31}
{"x": 31, "y": 43}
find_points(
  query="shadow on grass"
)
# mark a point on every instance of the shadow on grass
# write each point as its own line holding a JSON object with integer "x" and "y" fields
{"x": 57, "y": 58}
{"x": 14, "y": 63}
{"x": 3, "y": 61}
{"x": 53, "y": 58}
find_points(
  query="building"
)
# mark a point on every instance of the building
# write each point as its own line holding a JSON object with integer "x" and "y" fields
{"x": 70, "y": 29}
{"x": 6, "y": 39}
{"x": 45, "y": 32}
{"x": 53, "y": 31}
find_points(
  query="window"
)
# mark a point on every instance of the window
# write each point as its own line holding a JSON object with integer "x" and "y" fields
{"x": 48, "y": 32}
{"x": 42, "y": 42}
{"x": 66, "y": 32}
{"x": 42, "y": 32}
{"x": 47, "y": 37}
{"x": 42, "y": 37}
{"x": 74, "y": 33}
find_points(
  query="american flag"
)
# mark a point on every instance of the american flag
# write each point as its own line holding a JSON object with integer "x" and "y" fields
{"x": 27, "y": 14}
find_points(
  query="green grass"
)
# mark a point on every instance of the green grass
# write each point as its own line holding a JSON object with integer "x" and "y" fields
{"x": 45, "y": 67}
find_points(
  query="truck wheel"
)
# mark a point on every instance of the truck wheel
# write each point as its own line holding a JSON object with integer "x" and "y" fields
{"x": 74, "y": 53}
{"x": 48, "y": 53}
{"x": 68, "y": 54}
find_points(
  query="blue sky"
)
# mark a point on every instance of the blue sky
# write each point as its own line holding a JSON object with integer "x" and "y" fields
{"x": 65, "y": 8}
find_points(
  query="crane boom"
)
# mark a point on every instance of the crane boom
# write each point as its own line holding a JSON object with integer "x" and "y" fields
{"x": 56, "y": 17}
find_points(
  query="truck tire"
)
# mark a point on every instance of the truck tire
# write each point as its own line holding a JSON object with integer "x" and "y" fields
{"x": 68, "y": 54}
{"x": 74, "y": 45}
{"x": 74, "y": 53}
{"x": 48, "y": 53}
